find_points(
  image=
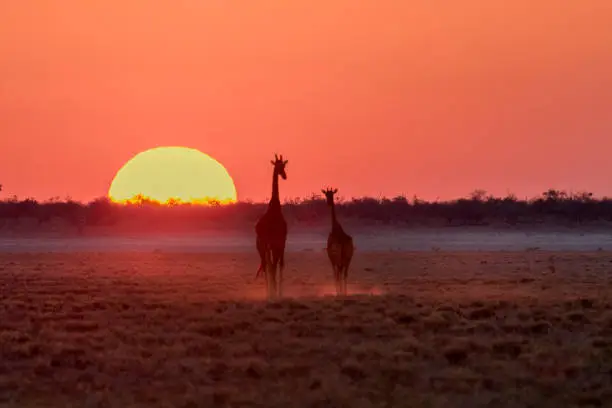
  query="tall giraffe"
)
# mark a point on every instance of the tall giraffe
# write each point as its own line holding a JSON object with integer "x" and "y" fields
{"x": 271, "y": 230}
{"x": 339, "y": 246}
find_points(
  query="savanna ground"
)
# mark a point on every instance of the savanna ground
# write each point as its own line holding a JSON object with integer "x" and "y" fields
{"x": 436, "y": 329}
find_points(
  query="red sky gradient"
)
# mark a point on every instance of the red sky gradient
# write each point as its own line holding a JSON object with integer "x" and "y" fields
{"x": 434, "y": 98}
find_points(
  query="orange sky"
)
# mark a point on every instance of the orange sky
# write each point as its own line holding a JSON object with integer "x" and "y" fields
{"x": 433, "y": 98}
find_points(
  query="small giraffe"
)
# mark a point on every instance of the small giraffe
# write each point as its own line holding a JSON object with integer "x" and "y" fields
{"x": 339, "y": 246}
{"x": 271, "y": 230}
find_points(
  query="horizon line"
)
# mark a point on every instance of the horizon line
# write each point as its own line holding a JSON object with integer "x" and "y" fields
{"x": 208, "y": 201}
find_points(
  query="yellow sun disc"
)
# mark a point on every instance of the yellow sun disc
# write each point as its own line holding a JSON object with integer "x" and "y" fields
{"x": 172, "y": 175}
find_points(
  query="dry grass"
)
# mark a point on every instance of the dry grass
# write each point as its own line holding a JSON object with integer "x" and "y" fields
{"x": 420, "y": 330}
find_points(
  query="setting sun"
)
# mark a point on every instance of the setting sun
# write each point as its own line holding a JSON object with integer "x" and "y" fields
{"x": 173, "y": 175}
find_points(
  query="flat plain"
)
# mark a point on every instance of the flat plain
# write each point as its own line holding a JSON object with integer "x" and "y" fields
{"x": 419, "y": 329}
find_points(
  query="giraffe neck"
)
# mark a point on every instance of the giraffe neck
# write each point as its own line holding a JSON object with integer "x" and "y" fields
{"x": 275, "y": 196}
{"x": 334, "y": 220}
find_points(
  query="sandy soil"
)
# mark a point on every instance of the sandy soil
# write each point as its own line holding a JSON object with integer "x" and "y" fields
{"x": 436, "y": 329}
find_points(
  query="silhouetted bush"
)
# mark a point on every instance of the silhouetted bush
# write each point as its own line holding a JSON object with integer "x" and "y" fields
{"x": 552, "y": 207}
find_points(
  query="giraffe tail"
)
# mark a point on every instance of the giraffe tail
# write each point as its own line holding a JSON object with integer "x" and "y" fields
{"x": 259, "y": 270}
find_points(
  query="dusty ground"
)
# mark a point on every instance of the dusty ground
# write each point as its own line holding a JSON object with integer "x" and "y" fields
{"x": 431, "y": 329}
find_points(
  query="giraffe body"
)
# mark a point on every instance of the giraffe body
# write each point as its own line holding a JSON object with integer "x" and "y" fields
{"x": 271, "y": 231}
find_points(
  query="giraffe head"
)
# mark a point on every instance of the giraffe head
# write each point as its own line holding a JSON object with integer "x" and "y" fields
{"x": 279, "y": 166}
{"x": 329, "y": 195}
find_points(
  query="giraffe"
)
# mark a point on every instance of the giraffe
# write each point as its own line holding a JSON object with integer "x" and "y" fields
{"x": 339, "y": 246}
{"x": 271, "y": 230}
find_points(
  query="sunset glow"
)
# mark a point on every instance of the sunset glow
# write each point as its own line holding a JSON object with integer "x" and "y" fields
{"x": 425, "y": 98}
{"x": 172, "y": 175}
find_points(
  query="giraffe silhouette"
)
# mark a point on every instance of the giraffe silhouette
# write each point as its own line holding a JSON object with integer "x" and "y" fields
{"x": 339, "y": 246}
{"x": 271, "y": 230}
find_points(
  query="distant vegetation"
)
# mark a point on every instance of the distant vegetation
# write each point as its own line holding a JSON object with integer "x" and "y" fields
{"x": 553, "y": 207}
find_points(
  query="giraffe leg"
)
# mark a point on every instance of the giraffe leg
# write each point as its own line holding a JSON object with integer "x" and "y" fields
{"x": 271, "y": 275}
{"x": 280, "y": 281}
{"x": 266, "y": 272}
{"x": 335, "y": 277}
{"x": 337, "y": 280}
{"x": 270, "y": 281}
{"x": 338, "y": 283}
{"x": 281, "y": 268}
{"x": 280, "y": 264}
{"x": 274, "y": 288}
{"x": 261, "y": 250}
{"x": 346, "y": 262}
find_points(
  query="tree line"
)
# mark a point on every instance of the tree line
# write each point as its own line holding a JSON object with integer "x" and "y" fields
{"x": 478, "y": 208}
